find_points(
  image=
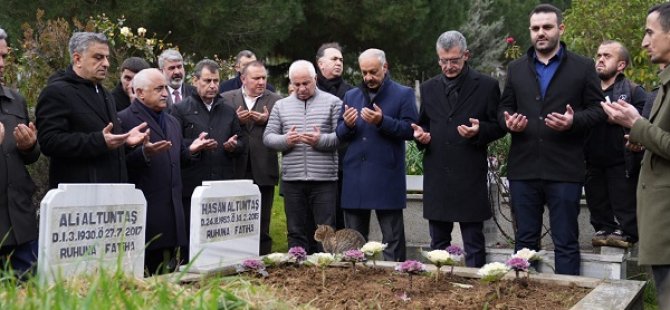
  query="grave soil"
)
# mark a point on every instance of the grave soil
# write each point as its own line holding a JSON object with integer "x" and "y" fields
{"x": 378, "y": 288}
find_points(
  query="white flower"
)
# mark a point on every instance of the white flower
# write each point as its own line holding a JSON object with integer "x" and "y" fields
{"x": 495, "y": 269}
{"x": 125, "y": 31}
{"x": 151, "y": 42}
{"x": 527, "y": 254}
{"x": 373, "y": 248}
{"x": 141, "y": 31}
{"x": 438, "y": 257}
{"x": 277, "y": 258}
{"x": 321, "y": 259}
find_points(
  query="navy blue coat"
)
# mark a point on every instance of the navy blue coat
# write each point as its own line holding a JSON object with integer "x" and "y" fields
{"x": 374, "y": 165}
{"x": 160, "y": 178}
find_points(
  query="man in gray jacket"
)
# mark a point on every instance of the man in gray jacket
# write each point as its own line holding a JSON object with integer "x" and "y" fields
{"x": 302, "y": 127}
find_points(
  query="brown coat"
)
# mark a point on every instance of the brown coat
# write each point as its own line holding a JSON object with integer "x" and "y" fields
{"x": 264, "y": 165}
{"x": 653, "y": 189}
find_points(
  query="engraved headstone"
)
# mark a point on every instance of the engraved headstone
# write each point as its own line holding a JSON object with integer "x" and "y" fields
{"x": 225, "y": 223}
{"x": 88, "y": 226}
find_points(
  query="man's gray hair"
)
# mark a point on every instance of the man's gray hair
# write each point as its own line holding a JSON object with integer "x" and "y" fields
{"x": 3, "y": 34}
{"x": 451, "y": 39}
{"x": 80, "y": 41}
{"x": 373, "y": 52}
{"x": 301, "y": 64}
{"x": 141, "y": 79}
{"x": 211, "y": 65}
{"x": 169, "y": 55}
{"x": 245, "y": 54}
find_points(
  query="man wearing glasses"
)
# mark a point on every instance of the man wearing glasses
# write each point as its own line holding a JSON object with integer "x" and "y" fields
{"x": 457, "y": 120}
{"x": 550, "y": 99}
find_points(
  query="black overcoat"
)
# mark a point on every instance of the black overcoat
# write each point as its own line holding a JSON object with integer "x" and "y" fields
{"x": 455, "y": 168}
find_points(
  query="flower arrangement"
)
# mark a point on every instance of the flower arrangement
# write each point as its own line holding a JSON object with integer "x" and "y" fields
{"x": 527, "y": 254}
{"x": 297, "y": 254}
{"x": 518, "y": 264}
{"x": 321, "y": 260}
{"x": 493, "y": 272}
{"x": 253, "y": 265}
{"x": 372, "y": 249}
{"x": 353, "y": 257}
{"x": 410, "y": 267}
{"x": 275, "y": 259}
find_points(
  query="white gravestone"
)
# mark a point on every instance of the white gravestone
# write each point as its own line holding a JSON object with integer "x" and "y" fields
{"x": 87, "y": 226}
{"x": 225, "y": 223}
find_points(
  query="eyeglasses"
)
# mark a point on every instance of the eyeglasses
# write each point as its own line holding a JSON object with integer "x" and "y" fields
{"x": 446, "y": 61}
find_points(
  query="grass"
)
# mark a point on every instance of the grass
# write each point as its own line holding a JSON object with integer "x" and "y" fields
{"x": 278, "y": 224}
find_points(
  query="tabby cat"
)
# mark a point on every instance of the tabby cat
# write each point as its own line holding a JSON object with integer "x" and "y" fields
{"x": 336, "y": 242}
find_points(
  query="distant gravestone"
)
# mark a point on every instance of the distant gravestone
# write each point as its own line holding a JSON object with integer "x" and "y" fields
{"x": 88, "y": 226}
{"x": 225, "y": 223}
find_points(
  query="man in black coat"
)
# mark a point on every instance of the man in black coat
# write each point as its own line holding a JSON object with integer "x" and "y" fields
{"x": 457, "y": 120}
{"x": 18, "y": 215}
{"x": 253, "y": 103}
{"x": 155, "y": 168}
{"x": 550, "y": 99}
{"x": 206, "y": 112}
{"x": 123, "y": 92}
{"x": 243, "y": 58}
{"x": 329, "y": 78}
{"x": 76, "y": 119}
{"x": 612, "y": 170}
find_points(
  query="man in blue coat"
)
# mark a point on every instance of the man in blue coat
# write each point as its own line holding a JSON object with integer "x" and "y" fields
{"x": 376, "y": 120}
{"x": 155, "y": 168}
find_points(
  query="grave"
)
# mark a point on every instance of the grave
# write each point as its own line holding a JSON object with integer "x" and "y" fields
{"x": 225, "y": 223}
{"x": 88, "y": 226}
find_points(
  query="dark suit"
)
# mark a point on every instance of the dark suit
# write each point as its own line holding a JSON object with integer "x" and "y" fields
{"x": 220, "y": 123}
{"x": 236, "y": 83}
{"x": 70, "y": 115}
{"x": 159, "y": 178}
{"x": 257, "y": 161}
{"x": 546, "y": 166}
{"x": 455, "y": 168}
{"x": 185, "y": 91}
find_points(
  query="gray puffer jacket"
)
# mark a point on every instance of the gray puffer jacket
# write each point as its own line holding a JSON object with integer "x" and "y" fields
{"x": 303, "y": 162}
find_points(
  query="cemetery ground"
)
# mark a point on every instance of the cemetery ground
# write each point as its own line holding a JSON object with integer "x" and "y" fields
{"x": 284, "y": 288}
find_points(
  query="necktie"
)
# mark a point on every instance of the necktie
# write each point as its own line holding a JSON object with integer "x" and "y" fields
{"x": 177, "y": 97}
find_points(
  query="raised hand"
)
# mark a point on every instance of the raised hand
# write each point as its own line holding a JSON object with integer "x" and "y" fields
{"x": 558, "y": 121}
{"x": 292, "y": 137}
{"x": 153, "y": 148}
{"x": 516, "y": 122}
{"x": 621, "y": 113}
{"x": 243, "y": 115}
{"x": 202, "y": 143}
{"x": 260, "y": 118}
{"x": 635, "y": 147}
{"x": 114, "y": 141}
{"x": 469, "y": 131}
{"x": 350, "y": 115}
{"x": 420, "y": 135}
{"x": 311, "y": 138}
{"x": 136, "y": 136}
{"x": 25, "y": 136}
{"x": 230, "y": 144}
{"x": 372, "y": 116}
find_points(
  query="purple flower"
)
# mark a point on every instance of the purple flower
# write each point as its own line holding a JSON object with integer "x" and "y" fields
{"x": 253, "y": 264}
{"x": 354, "y": 256}
{"x": 298, "y": 253}
{"x": 518, "y": 264}
{"x": 455, "y": 250}
{"x": 411, "y": 267}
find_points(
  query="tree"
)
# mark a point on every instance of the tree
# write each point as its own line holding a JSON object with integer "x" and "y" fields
{"x": 486, "y": 41}
{"x": 589, "y": 22}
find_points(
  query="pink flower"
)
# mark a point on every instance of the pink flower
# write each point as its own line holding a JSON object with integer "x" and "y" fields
{"x": 455, "y": 250}
{"x": 510, "y": 40}
{"x": 518, "y": 264}
{"x": 298, "y": 253}
{"x": 253, "y": 264}
{"x": 411, "y": 267}
{"x": 354, "y": 256}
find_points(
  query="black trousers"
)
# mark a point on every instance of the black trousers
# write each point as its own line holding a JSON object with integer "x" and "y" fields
{"x": 308, "y": 203}
{"x": 267, "y": 197}
{"x": 611, "y": 195}
{"x": 392, "y": 227}
{"x": 474, "y": 243}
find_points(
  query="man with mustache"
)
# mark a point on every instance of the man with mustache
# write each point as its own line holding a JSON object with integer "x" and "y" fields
{"x": 171, "y": 63}
{"x": 77, "y": 122}
{"x": 155, "y": 168}
{"x": 376, "y": 121}
{"x": 611, "y": 169}
{"x": 550, "y": 100}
